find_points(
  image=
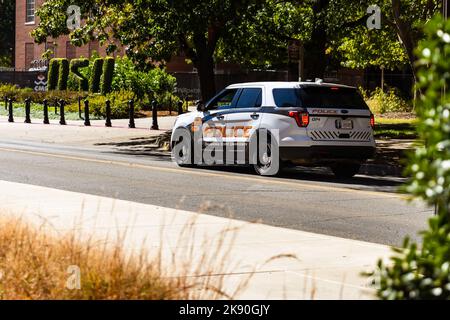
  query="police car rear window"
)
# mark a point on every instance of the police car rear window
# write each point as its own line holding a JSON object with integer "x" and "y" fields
{"x": 319, "y": 97}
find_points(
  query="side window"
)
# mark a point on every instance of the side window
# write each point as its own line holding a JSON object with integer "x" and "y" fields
{"x": 223, "y": 100}
{"x": 286, "y": 98}
{"x": 250, "y": 98}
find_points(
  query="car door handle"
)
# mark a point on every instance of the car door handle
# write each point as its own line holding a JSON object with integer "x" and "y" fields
{"x": 220, "y": 117}
{"x": 255, "y": 116}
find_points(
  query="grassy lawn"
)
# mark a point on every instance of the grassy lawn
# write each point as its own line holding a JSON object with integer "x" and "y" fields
{"x": 387, "y": 128}
{"x": 37, "y": 112}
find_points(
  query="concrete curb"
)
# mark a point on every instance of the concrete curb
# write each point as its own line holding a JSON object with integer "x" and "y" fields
{"x": 325, "y": 267}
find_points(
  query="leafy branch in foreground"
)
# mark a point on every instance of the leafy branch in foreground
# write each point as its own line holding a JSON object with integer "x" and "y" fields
{"x": 423, "y": 272}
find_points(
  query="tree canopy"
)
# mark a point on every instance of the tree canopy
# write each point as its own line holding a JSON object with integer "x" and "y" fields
{"x": 250, "y": 32}
{"x": 7, "y": 15}
{"x": 204, "y": 31}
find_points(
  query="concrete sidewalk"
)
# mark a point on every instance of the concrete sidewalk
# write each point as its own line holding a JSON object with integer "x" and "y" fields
{"x": 325, "y": 267}
{"x": 75, "y": 133}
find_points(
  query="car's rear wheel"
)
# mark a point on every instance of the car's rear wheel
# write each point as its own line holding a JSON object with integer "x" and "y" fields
{"x": 345, "y": 170}
{"x": 268, "y": 161}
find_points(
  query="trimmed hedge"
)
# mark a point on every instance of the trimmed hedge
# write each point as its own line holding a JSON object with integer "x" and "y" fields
{"x": 53, "y": 73}
{"x": 75, "y": 64}
{"x": 96, "y": 75}
{"x": 108, "y": 73}
{"x": 63, "y": 74}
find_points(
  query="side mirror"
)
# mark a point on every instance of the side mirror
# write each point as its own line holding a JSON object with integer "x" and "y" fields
{"x": 200, "y": 106}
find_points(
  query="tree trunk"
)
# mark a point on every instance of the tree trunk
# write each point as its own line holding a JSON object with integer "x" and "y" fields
{"x": 205, "y": 68}
{"x": 202, "y": 58}
{"x": 404, "y": 32}
{"x": 315, "y": 58}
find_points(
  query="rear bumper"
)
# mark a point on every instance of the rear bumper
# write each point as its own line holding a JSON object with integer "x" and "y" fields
{"x": 320, "y": 154}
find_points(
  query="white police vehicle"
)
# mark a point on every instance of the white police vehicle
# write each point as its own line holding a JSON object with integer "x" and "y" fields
{"x": 303, "y": 123}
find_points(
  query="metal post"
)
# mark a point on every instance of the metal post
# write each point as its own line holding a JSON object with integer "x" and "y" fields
{"x": 154, "y": 116}
{"x": 45, "y": 102}
{"x": 87, "y": 121}
{"x": 180, "y": 107}
{"x": 10, "y": 111}
{"x": 108, "y": 114}
{"x": 131, "y": 124}
{"x": 56, "y": 106}
{"x": 27, "y": 110}
{"x": 79, "y": 108}
{"x": 62, "y": 119}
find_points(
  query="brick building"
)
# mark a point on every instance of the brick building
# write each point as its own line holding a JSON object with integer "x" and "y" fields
{"x": 27, "y": 50}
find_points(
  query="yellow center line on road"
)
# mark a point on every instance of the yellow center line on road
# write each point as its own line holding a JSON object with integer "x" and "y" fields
{"x": 210, "y": 174}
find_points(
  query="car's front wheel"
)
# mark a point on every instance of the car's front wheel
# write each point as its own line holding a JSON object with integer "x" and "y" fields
{"x": 182, "y": 151}
{"x": 345, "y": 170}
{"x": 268, "y": 161}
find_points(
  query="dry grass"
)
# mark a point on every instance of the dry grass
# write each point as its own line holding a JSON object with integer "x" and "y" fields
{"x": 35, "y": 264}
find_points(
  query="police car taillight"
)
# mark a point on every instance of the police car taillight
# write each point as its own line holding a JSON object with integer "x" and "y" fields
{"x": 302, "y": 118}
{"x": 372, "y": 121}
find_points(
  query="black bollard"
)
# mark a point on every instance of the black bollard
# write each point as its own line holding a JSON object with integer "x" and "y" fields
{"x": 62, "y": 118}
{"x": 180, "y": 107}
{"x": 131, "y": 114}
{"x": 10, "y": 111}
{"x": 79, "y": 109}
{"x": 108, "y": 114}
{"x": 45, "y": 102}
{"x": 154, "y": 116}
{"x": 87, "y": 121}
{"x": 56, "y": 106}
{"x": 27, "y": 110}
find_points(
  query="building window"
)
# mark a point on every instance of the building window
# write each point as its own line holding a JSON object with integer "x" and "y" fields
{"x": 29, "y": 54}
{"x": 52, "y": 47}
{"x": 30, "y": 8}
{"x": 71, "y": 51}
{"x": 93, "y": 47}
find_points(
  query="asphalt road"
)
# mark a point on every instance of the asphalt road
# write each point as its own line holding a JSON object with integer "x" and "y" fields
{"x": 363, "y": 208}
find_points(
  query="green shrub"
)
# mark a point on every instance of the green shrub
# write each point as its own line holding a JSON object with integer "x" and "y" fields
{"x": 10, "y": 91}
{"x": 154, "y": 84}
{"x": 108, "y": 73}
{"x": 19, "y": 95}
{"x": 381, "y": 102}
{"x": 63, "y": 74}
{"x": 53, "y": 74}
{"x": 423, "y": 273}
{"x": 75, "y": 65}
{"x": 23, "y": 94}
{"x": 119, "y": 104}
{"x": 96, "y": 75}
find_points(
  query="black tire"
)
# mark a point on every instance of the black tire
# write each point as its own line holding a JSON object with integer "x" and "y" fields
{"x": 345, "y": 170}
{"x": 183, "y": 147}
{"x": 267, "y": 166}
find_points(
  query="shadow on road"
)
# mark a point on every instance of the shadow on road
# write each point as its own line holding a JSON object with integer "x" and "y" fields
{"x": 156, "y": 147}
{"x": 321, "y": 174}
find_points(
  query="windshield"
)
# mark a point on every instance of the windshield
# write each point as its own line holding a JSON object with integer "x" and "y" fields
{"x": 319, "y": 97}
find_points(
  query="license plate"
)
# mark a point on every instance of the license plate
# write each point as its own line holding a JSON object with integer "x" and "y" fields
{"x": 344, "y": 124}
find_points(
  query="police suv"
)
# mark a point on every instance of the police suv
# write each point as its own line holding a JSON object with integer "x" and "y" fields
{"x": 302, "y": 123}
